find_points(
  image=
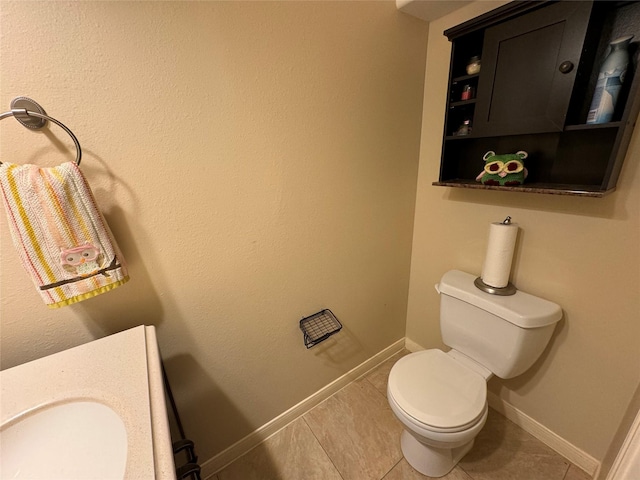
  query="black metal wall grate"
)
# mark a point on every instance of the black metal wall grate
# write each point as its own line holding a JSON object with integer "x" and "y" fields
{"x": 319, "y": 326}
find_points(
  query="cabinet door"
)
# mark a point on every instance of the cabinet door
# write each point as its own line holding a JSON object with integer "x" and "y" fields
{"x": 522, "y": 88}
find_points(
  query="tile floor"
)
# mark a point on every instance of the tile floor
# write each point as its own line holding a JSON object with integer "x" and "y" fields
{"x": 354, "y": 435}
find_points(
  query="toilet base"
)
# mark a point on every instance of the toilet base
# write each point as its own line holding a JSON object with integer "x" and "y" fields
{"x": 428, "y": 460}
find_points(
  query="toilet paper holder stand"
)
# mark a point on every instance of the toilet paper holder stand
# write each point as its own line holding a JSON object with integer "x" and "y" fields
{"x": 510, "y": 289}
{"x": 505, "y": 291}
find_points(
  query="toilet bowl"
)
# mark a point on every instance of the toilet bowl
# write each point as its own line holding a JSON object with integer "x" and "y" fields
{"x": 441, "y": 398}
{"x": 442, "y": 404}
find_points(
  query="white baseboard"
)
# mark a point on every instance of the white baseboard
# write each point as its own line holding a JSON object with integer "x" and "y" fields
{"x": 224, "y": 458}
{"x": 412, "y": 346}
{"x": 569, "y": 451}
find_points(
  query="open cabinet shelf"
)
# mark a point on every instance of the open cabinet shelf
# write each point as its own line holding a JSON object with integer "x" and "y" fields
{"x": 540, "y": 62}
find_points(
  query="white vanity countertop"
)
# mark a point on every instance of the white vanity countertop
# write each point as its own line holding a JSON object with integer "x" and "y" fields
{"x": 122, "y": 371}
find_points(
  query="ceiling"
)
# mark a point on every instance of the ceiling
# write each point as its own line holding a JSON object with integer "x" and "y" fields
{"x": 429, "y": 10}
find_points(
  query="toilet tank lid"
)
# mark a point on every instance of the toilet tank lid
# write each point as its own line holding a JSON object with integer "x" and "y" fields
{"x": 522, "y": 309}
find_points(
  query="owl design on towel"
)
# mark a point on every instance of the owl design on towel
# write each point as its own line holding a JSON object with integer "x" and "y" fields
{"x": 83, "y": 260}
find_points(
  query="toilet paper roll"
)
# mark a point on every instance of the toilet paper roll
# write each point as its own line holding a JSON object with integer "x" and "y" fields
{"x": 497, "y": 261}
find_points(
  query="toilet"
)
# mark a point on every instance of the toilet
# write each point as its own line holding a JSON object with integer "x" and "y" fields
{"x": 441, "y": 398}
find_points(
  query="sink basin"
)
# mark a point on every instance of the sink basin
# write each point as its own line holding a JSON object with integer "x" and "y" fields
{"x": 77, "y": 440}
{"x": 95, "y": 411}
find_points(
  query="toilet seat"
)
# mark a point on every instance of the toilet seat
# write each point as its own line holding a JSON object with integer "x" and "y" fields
{"x": 438, "y": 393}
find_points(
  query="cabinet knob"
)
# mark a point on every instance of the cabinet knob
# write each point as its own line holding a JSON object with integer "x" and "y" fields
{"x": 566, "y": 67}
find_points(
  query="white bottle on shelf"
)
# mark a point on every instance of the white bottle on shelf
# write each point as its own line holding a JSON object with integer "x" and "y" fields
{"x": 610, "y": 80}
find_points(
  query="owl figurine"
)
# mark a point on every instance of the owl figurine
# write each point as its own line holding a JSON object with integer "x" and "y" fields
{"x": 505, "y": 170}
{"x": 83, "y": 260}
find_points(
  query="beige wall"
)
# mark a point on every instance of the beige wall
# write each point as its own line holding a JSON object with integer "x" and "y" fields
{"x": 256, "y": 162}
{"x": 582, "y": 253}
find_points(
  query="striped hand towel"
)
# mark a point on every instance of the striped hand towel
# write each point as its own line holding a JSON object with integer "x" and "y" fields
{"x": 61, "y": 237}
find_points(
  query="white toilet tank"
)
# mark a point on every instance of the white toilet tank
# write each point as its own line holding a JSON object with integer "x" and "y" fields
{"x": 505, "y": 334}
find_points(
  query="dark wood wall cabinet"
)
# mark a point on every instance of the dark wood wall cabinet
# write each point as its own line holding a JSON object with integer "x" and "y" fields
{"x": 539, "y": 66}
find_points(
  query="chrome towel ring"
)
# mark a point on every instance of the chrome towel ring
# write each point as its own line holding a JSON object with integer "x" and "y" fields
{"x": 32, "y": 115}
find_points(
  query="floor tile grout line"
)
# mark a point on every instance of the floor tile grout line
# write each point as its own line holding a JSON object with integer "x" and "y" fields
{"x": 389, "y": 471}
{"x": 322, "y": 446}
{"x": 375, "y": 388}
{"x": 385, "y": 398}
{"x": 335, "y": 397}
{"x": 459, "y": 465}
